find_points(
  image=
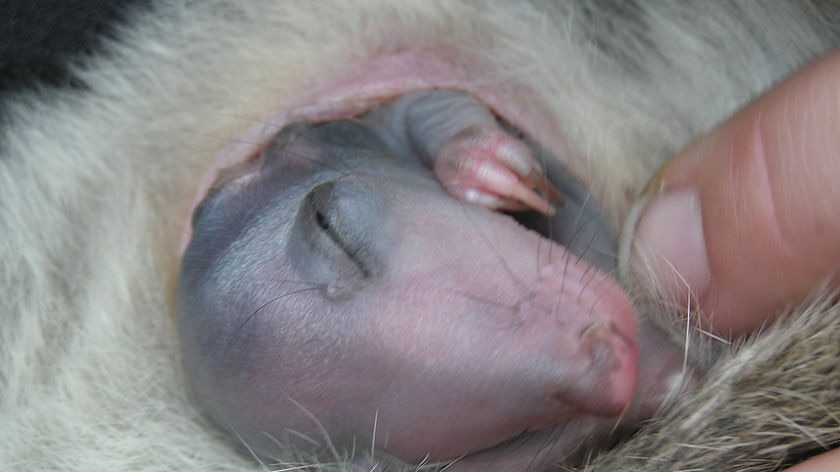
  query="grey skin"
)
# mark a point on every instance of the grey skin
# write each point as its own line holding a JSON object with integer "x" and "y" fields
{"x": 334, "y": 295}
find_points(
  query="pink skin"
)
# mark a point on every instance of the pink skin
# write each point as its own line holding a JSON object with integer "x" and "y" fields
{"x": 564, "y": 313}
{"x": 572, "y": 327}
{"x": 596, "y": 353}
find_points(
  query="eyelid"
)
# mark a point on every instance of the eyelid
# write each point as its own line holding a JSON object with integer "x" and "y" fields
{"x": 326, "y": 215}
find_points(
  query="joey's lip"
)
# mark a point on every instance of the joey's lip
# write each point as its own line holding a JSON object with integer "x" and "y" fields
{"x": 364, "y": 85}
{"x": 529, "y": 447}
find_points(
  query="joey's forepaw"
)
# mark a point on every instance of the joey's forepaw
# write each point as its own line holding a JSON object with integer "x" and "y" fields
{"x": 486, "y": 166}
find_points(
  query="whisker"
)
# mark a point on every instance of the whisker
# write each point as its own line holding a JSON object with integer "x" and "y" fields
{"x": 494, "y": 250}
{"x": 274, "y": 300}
{"x": 251, "y": 451}
{"x": 373, "y": 434}
{"x": 588, "y": 244}
{"x": 330, "y": 446}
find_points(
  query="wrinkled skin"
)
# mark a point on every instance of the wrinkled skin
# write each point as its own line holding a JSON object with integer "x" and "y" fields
{"x": 333, "y": 254}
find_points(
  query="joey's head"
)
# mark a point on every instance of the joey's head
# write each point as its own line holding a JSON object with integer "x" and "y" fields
{"x": 333, "y": 292}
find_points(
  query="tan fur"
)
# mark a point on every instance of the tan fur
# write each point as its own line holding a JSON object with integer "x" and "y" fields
{"x": 774, "y": 402}
{"x": 95, "y": 187}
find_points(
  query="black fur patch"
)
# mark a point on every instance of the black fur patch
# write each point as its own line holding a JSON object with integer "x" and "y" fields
{"x": 39, "y": 39}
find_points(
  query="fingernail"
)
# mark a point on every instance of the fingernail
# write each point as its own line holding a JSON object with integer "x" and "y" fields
{"x": 669, "y": 248}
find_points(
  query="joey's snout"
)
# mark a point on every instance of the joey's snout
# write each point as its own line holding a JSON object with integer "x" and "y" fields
{"x": 500, "y": 331}
{"x": 595, "y": 356}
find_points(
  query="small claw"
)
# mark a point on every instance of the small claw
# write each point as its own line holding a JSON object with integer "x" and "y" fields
{"x": 518, "y": 156}
{"x": 529, "y": 197}
{"x": 537, "y": 179}
{"x": 489, "y": 167}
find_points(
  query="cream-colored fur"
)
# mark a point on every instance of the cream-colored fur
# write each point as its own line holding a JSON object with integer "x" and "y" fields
{"x": 95, "y": 185}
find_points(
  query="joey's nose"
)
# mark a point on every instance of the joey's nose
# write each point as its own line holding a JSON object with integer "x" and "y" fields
{"x": 592, "y": 326}
{"x": 608, "y": 381}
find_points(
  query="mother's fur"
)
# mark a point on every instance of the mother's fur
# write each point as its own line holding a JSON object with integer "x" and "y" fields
{"x": 95, "y": 183}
